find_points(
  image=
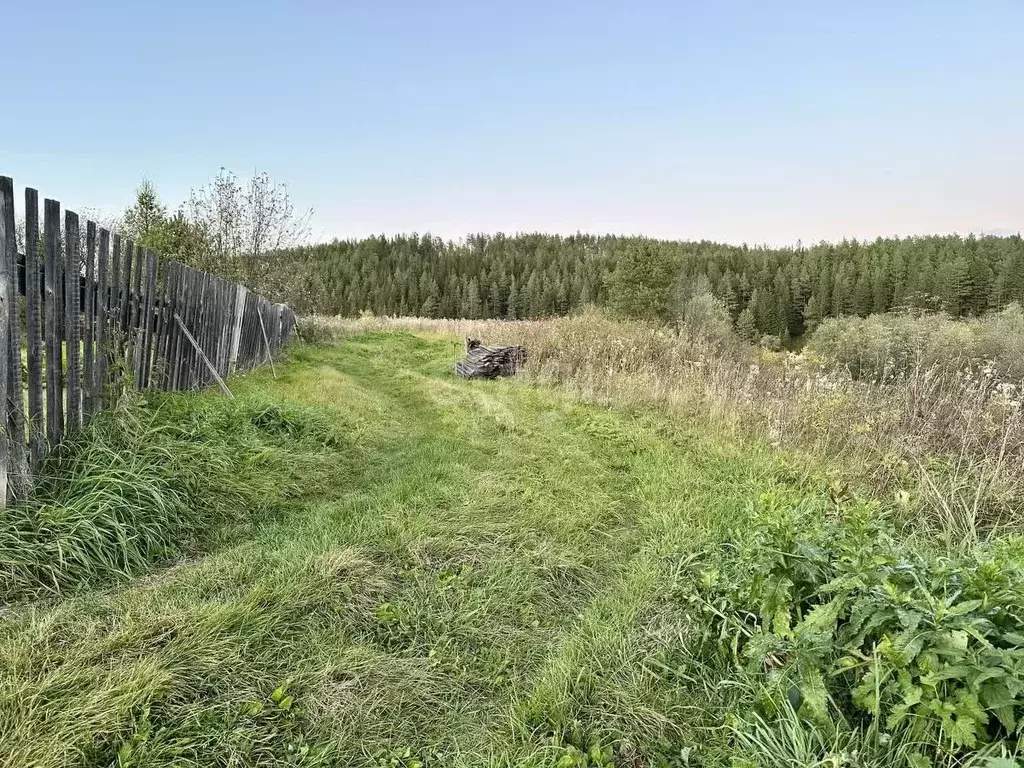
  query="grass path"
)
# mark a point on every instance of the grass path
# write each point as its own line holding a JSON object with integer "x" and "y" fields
{"x": 489, "y": 580}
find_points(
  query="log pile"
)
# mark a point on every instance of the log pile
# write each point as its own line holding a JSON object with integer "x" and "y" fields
{"x": 483, "y": 362}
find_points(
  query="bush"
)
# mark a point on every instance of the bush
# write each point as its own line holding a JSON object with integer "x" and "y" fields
{"x": 887, "y": 347}
{"x": 707, "y": 320}
{"x": 822, "y": 611}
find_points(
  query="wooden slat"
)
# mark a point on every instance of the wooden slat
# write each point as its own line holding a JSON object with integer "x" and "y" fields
{"x": 124, "y": 292}
{"x": 137, "y": 286}
{"x": 180, "y": 350}
{"x": 8, "y": 318}
{"x": 205, "y": 310}
{"x": 224, "y": 328}
{"x": 167, "y": 324}
{"x": 115, "y": 336}
{"x": 15, "y": 424}
{"x": 72, "y": 319}
{"x": 135, "y": 321}
{"x": 54, "y": 329}
{"x": 238, "y": 313}
{"x": 173, "y": 338}
{"x": 192, "y": 312}
{"x": 102, "y": 320}
{"x": 34, "y": 329}
{"x": 218, "y": 323}
{"x": 160, "y": 329}
{"x": 275, "y": 320}
{"x": 89, "y": 395}
{"x": 146, "y": 321}
{"x": 203, "y": 327}
{"x": 185, "y": 311}
{"x": 252, "y": 331}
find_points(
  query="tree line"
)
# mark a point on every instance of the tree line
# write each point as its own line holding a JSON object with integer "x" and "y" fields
{"x": 250, "y": 231}
{"x": 783, "y": 292}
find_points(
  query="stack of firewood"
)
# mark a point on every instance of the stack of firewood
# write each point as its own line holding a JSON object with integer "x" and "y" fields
{"x": 482, "y": 362}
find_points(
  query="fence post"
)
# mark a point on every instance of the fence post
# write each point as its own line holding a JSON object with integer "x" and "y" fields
{"x": 8, "y": 317}
{"x": 15, "y": 424}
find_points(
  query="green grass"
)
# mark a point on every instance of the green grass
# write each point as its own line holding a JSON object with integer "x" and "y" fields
{"x": 466, "y": 574}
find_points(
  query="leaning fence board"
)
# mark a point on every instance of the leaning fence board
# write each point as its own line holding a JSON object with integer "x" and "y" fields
{"x": 33, "y": 329}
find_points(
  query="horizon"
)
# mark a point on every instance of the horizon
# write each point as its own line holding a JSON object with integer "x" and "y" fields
{"x": 735, "y": 123}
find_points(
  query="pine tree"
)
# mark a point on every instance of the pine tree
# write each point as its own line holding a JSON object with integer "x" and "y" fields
{"x": 143, "y": 219}
{"x": 513, "y": 302}
{"x": 471, "y": 305}
{"x": 746, "y": 327}
{"x": 429, "y": 308}
{"x": 813, "y": 313}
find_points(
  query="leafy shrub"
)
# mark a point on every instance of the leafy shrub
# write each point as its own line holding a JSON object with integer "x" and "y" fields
{"x": 823, "y": 611}
{"x": 887, "y": 347}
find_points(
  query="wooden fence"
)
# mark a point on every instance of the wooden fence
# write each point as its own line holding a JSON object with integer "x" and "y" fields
{"x": 100, "y": 313}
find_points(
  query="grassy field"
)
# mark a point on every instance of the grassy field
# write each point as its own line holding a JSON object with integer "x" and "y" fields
{"x": 464, "y": 574}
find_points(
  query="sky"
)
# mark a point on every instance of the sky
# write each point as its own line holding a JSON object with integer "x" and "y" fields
{"x": 737, "y": 121}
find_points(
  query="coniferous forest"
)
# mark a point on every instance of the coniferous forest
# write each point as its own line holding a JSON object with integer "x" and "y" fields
{"x": 779, "y": 291}
{"x": 249, "y": 231}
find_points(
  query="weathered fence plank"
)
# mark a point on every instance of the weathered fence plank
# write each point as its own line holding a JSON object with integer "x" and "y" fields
{"x": 169, "y": 326}
{"x": 102, "y": 320}
{"x": 125, "y": 292}
{"x": 147, "y": 321}
{"x": 8, "y": 318}
{"x": 15, "y": 422}
{"x": 135, "y": 321}
{"x": 159, "y": 339}
{"x": 33, "y": 329}
{"x": 89, "y": 328}
{"x": 236, "y": 326}
{"x": 54, "y": 331}
{"x": 72, "y": 323}
{"x": 114, "y": 319}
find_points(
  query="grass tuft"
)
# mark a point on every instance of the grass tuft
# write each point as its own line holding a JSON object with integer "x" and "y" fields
{"x": 157, "y": 479}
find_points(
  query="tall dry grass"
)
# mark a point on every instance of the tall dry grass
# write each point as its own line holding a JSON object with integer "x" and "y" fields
{"x": 941, "y": 440}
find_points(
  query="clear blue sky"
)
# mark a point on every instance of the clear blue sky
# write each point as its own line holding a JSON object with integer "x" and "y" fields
{"x": 739, "y": 121}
